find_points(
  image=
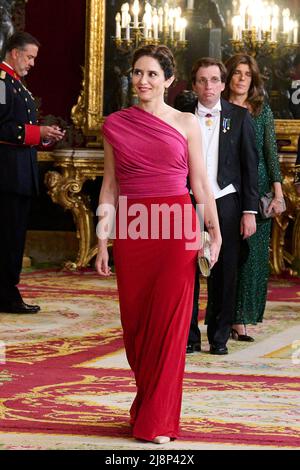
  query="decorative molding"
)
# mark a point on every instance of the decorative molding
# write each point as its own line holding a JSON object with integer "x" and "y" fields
{"x": 285, "y": 256}
{"x": 64, "y": 186}
{"x": 88, "y": 112}
{"x": 288, "y": 132}
{"x": 45, "y": 157}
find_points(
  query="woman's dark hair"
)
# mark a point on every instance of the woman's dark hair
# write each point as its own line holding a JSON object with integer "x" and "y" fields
{"x": 20, "y": 40}
{"x": 256, "y": 93}
{"x": 208, "y": 62}
{"x": 162, "y": 54}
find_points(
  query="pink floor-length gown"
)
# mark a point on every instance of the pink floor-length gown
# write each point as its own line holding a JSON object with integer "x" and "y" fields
{"x": 155, "y": 276}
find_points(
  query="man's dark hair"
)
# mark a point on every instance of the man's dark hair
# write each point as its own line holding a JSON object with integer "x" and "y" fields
{"x": 208, "y": 62}
{"x": 20, "y": 40}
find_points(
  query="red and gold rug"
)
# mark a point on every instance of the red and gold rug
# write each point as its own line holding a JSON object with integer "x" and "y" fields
{"x": 65, "y": 381}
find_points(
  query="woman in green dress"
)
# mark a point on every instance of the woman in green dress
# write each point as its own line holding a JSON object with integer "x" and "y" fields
{"x": 244, "y": 87}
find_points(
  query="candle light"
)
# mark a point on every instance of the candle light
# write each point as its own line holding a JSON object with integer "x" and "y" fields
{"x": 166, "y": 14}
{"x": 171, "y": 26}
{"x": 160, "y": 19}
{"x": 183, "y": 25}
{"x": 234, "y": 7}
{"x": 262, "y": 17}
{"x": 127, "y": 30}
{"x": 290, "y": 31}
{"x": 177, "y": 16}
{"x": 286, "y": 20}
{"x": 155, "y": 21}
{"x": 147, "y": 20}
{"x": 124, "y": 11}
{"x": 135, "y": 11}
{"x": 118, "y": 26}
{"x": 274, "y": 28}
{"x": 235, "y": 27}
{"x": 295, "y": 32}
{"x": 243, "y": 17}
{"x": 145, "y": 29}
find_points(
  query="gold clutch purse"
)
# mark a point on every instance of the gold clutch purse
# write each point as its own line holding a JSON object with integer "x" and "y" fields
{"x": 204, "y": 261}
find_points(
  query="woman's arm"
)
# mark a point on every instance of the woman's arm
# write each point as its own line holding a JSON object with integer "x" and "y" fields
{"x": 272, "y": 161}
{"x": 106, "y": 210}
{"x": 200, "y": 185}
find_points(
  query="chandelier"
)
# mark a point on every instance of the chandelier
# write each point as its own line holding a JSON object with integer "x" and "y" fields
{"x": 153, "y": 24}
{"x": 261, "y": 23}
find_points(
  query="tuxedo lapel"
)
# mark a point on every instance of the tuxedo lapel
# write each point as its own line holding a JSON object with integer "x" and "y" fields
{"x": 225, "y": 131}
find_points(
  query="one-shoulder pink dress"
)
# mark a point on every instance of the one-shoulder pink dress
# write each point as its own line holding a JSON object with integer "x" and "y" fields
{"x": 155, "y": 267}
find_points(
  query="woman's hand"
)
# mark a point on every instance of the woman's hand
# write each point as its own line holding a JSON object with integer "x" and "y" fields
{"x": 276, "y": 206}
{"x": 101, "y": 263}
{"x": 214, "y": 249}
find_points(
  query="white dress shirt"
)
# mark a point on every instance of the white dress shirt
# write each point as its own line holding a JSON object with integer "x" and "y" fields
{"x": 210, "y": 127}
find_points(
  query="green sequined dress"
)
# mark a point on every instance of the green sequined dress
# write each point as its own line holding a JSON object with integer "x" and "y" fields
{"x": 254, "y": 273}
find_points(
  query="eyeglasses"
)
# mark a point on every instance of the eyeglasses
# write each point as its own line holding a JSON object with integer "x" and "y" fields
{"x": 204, "y": 81}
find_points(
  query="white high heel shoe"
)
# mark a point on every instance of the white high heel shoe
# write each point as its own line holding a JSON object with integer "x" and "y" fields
{"x": 161, "y": 440}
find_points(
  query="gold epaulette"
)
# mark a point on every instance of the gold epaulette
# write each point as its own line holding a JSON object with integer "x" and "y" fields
{"x": 2, "y": 74}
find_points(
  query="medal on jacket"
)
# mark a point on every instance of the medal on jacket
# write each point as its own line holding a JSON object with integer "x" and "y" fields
{"x": 208, "y": 120}
{"x": 226, "y": 124}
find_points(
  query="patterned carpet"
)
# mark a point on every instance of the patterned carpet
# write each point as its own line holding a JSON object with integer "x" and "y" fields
{"x": 65, "y": 382}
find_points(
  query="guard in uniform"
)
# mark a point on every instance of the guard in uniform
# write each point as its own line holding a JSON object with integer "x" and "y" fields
{"x": 19, "y": 136}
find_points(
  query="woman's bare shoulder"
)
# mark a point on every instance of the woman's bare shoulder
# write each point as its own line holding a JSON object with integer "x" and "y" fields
{"x": 183, "y": 121}
{"x": 184, "y": 117}
{"x": 188, "y": 121}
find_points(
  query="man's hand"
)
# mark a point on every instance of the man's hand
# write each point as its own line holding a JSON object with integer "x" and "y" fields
{"x": 51, "y": 133}
{"x": 248, "y": 225}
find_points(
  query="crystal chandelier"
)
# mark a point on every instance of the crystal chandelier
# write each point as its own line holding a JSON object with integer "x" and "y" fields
{"x": 261, "y": 23}
{"x": 153, "y": 24}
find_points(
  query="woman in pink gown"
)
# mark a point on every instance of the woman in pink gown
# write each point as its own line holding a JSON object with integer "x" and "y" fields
{"x": 149, "y": 151}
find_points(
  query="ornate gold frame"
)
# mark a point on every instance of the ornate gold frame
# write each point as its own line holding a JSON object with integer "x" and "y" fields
{"x": 288, "y": 130}
{"x": 88, "y": 112}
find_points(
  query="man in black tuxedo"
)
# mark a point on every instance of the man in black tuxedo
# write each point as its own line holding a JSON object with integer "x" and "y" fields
{"x": 19, "y": 136}
{"x": 231, "y": 160}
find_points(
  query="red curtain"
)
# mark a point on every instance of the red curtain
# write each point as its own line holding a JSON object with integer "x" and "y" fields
{"x": 60, "y": 28}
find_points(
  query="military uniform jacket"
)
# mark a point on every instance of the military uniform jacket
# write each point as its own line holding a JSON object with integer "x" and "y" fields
{"x": 19, "y": 135}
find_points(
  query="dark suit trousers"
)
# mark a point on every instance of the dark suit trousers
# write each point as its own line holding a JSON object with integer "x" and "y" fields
{"x": 194, "y": 333}
{"x": 14, "y": 213}
{"x": 221, "y": 284}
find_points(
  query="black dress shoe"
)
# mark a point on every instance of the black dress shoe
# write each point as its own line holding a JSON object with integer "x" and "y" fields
{"x": 192, "y": 347}
{"x": 220, "y": 351}
{"x": 19, "y": 307}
